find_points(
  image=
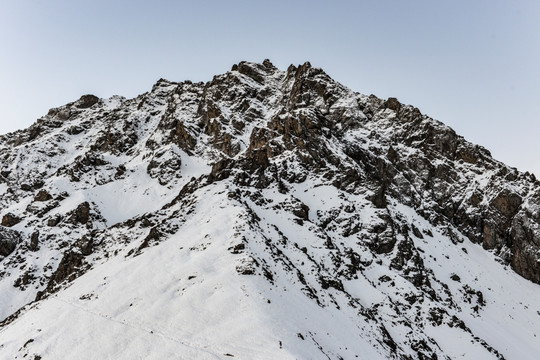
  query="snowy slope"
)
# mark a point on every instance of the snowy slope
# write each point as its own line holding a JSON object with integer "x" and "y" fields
{"x": 265, "y": 214}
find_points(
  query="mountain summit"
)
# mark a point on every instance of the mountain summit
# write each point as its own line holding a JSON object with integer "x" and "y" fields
{"x": 265, "y": 214}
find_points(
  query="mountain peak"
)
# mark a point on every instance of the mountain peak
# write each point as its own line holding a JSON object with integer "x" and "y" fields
{"x": 281, "y": 200}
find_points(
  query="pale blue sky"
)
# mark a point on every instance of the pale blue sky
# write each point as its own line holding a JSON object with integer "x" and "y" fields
{"x": 471, "y": 64}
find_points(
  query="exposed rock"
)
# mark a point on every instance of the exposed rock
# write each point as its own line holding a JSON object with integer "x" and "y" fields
{"x": 525, "y": 245}
{"x": 85, "y": 245}
{"x": 34, "y": 241}
{"x": 507, "y": 203}
{"x": 251, "y": 70}
{"x": 86, "y": 101}
{"x": 54, "y": 220}
{"x": 153, "y": 236}
{"x": 42, "y": 195}
{"x": 302, "y": 211}
{"x": 81, "y": 214}
{"x": 70, "y": 267}
{"x": 392, "y": 104}
{"x": 10, "y": 220}
{"x": 181, "y": 136}
{"x": 331, "y": 283}
{"x": 8, "y": 241}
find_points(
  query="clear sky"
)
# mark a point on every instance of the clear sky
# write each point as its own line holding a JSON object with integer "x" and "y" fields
{"x": 473, "y": 64}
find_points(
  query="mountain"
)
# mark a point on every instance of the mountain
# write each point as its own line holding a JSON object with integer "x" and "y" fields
{"x": 265, "y": 214}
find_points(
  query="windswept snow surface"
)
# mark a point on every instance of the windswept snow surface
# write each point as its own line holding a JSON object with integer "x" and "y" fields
{"x": 185, "y": 299}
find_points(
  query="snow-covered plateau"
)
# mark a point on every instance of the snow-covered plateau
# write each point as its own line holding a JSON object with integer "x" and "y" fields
{"x": 265, "y": 214}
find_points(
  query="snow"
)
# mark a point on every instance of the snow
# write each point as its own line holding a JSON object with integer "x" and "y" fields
{"x": 456, "y": 344}
{"x": 514, "y": 334}
{"x": 191, "y": 304}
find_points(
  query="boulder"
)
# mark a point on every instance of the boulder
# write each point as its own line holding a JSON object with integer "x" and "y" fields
{"x": 42, "y": 195}
{"x": 10, "y": 220}
{"x": 81, "y": 214}
{"x": 8, "y": 240}
{"x": 86, "y": 101}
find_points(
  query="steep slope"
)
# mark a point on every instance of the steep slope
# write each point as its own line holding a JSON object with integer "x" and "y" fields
{"x": 263, "y": 214}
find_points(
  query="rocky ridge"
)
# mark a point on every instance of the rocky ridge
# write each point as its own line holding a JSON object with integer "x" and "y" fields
{"x": 333, "y": 192}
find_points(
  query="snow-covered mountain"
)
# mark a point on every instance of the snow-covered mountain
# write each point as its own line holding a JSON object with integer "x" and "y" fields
{"x": 265, "y": 214}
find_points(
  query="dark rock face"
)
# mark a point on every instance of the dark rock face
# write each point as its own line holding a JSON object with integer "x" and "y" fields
{"x": 81, "y": 214}
{"x": 525, "y": 243}
{"x": 42, "y": 195}
{"x": 8, "y": 241}
{"x": 71, "y": 266}
{"x": 392, "y": 104}
{"x": 34, "y": 241}
{"x": 85, "y": 245}
{"x": 487, "y": 216}
{"x": 86, "y": 101}
{"x": 10, "y": 220}
{"x": 54, "y": 220}
{"x": 182, "y": 137}
{"x": 507, "y": 203}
